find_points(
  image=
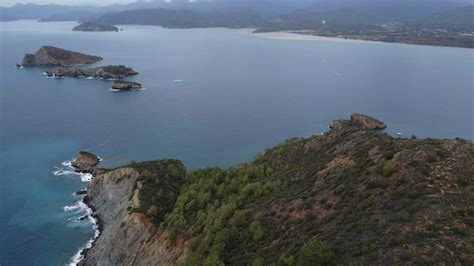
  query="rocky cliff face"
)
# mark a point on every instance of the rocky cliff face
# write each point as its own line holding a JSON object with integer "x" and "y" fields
{"x": 353, "y": 195}
{"x": 127, "y": 237}
{"x": 53, "y": 56}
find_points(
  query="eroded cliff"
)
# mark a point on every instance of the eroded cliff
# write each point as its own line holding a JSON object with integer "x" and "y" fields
{"x": 127, "y": 237}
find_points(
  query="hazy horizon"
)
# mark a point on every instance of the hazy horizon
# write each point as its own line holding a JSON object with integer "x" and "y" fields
{"x": 8, "y": 3}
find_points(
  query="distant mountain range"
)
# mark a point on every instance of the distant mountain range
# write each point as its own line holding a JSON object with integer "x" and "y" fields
{"x": 170, "y": 18}
{"x": 444, "y": 23}
{"x": 392, "y": 10}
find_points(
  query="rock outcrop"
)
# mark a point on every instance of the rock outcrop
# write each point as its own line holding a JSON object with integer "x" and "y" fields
{"x": 85, "y": 162}
{"x": 367, "y": 122}
{"x": 359, "y": 120}
{"x": 50, "y": 56}
{"x": 110, "y": 72}
{"x": 126, "y": 85}
{"x": 93, "y": 26}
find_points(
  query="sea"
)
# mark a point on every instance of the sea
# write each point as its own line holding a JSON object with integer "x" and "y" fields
{"x": 211, "y": 97}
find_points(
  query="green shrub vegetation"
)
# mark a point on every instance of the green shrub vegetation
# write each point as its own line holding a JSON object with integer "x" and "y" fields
{"x": 389, "y": 168}
{"x": 314, "y": 253}
{"x": 160, "y": 187}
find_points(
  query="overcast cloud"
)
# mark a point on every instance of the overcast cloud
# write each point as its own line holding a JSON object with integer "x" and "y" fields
{"x": 65, "y": 2}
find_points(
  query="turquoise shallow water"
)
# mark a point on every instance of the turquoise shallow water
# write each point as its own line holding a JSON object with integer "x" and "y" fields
{"x": 238, "y": 95}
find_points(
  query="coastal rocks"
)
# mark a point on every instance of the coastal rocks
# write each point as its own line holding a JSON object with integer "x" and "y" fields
{"x": 80, "y": 192}
{"x": 53, "y": 56}
{"x": 85, "y": 162}
{"x": 126, "y": 85}
{"x": 126, "y": 237}
{"x": 93, "y": 26}
{"x": 110, "y": 72}
{"x": 358, "y": 120}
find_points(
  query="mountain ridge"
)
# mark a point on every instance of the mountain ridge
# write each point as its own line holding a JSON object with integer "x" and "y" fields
{"x": 351, "y": 195}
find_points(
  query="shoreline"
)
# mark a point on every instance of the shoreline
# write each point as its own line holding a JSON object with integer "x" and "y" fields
{"x": 89, "y": 211}
{"x": 300, "y": 36}
{"x": 97, "y": 226}
{"x": 295, "y": 36}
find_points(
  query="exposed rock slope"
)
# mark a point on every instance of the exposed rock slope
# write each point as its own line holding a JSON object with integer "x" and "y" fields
{"x": 354, "y": 195}
{"x": 53, "y": 56}
{"x": 127, "y": 236}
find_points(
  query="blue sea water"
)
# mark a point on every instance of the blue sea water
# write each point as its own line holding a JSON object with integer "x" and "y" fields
{"x": 237, "y": 95}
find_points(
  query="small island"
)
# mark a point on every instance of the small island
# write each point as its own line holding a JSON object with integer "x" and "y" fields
{"x": 126, "y": 85}
{"x": 65, "y": 61}
{"x": 110, "y": 72}
{"x": 50, "y": 56}
{"x": 93, "y": 26}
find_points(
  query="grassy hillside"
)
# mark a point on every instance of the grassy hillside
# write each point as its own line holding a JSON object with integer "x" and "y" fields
{"x": 351, "y": 196}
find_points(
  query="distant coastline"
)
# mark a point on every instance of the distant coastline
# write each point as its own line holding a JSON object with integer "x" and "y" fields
{"x": 304, "y": 36}
{"x": 297, "y": 36}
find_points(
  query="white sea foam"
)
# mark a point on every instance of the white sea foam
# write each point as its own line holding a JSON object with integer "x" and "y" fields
{"x": 178, "y": 80}
{"x": 78, "y": 206}
{"x": 90, "y": 78}
{"x": 69, "y": 170}
{"x": 79, "y": 254}
{"x": 86, "y": 177}
{"x": 80, "y": 211}
{"x": 61, "y": 172}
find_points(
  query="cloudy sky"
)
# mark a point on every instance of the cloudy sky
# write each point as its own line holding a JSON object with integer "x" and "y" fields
{"x": 65, "y": 2}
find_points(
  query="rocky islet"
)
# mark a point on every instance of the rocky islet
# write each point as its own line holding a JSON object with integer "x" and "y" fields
{"x": 66, "y": 63}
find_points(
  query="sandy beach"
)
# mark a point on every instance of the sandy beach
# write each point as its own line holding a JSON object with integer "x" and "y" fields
{"x": 287, "y": 35}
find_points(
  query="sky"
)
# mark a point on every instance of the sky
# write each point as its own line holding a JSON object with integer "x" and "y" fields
{"x": 65, "y": 2}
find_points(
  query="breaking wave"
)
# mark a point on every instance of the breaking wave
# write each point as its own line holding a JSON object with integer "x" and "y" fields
{"x": 87, "y": 214}
{"x": 67, "y": 169}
